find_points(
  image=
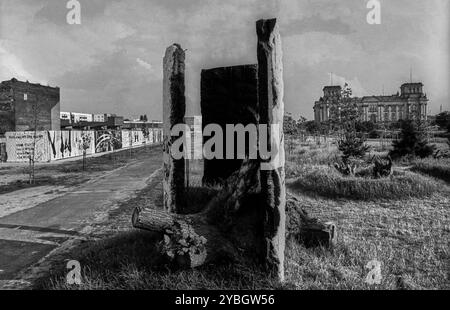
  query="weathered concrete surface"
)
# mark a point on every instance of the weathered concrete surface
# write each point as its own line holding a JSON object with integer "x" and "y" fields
{"x": 28, "y": 235}
{"x": 270, "y": 96}
{"x": 228, "y": 96}
{"x": 27, "y": 198}
{"x": 174, "y": 109}
{"x": 32, "y": 103}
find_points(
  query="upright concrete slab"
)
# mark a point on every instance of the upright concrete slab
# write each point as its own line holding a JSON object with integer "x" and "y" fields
{"x": 174, "y": 109}
{"x": 228, "y": 96}
{"x": 270, "y": 95}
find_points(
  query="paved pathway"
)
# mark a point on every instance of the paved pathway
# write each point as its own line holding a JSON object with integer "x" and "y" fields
{"x": 28, "y": 235}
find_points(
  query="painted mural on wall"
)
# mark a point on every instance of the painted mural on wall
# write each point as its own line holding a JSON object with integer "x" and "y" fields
{"x": 86, "y": 142}
{"x": 108, "y": 140}
{"x": 136, "y": 137}
{"x": 66, "y": 144}
{"x": 126, "y": 138}
{"x": 150, "y": 136}
{"x": 56, "y": 145}
{"x": 157, "y": 135}
{"x": 20, "y": 146}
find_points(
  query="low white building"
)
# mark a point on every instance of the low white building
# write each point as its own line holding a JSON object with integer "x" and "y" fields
{"x": 100, "y": 118}
{"x": 81, "y": 117}
{"x": 74, "y": 117}
{"x": 64, "y": 116}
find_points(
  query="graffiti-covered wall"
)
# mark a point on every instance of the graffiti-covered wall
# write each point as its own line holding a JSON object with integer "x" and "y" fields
{"x": 108, "y": 140}
{"x": 56, "y": 145}
{"x": 65, "y": 144}
{"x": 20, "y": 145}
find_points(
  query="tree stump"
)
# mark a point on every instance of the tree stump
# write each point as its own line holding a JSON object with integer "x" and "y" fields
{"x": 306, "y": 230}
{"x": 382, "y": 167}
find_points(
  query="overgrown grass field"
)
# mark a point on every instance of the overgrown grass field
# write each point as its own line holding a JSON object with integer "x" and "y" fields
{"x": 403, "y": 222}
{"x": 438, "y": 168}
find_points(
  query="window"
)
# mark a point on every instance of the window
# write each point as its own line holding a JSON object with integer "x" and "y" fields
{"x": 401, "y": 111}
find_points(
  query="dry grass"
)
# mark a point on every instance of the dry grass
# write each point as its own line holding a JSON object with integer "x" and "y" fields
{"x": 326, "y": 181}
{"x": 438, "y": 168}
{"x": 409, "y": 237}
{"x": 130, "y": 261}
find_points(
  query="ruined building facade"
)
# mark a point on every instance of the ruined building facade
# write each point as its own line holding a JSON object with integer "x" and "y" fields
{"x": 410, "y": 104}
{"x": 25, "y": 107}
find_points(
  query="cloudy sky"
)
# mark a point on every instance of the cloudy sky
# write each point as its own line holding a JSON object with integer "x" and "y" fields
{"x": 112, "y": 62}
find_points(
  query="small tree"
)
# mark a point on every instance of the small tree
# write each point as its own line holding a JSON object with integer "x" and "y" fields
{"x": 86, "y": 142}
{"x": 312, "y": 127}
{"x": 291, "y": 130}
{"x": 365, "y": 127}
{"x": 412, "y": 142}
{"x": 32, "y": 158}
{"x": 351, "y": 143}
{"x": 443, "y": 119}
{"x": 344, "y": 111}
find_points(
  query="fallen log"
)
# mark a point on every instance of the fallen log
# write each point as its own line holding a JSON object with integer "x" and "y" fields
{"x": 188, "y": 240}
{"x": 198, "y": 239}
{"x": 223, "y": 231}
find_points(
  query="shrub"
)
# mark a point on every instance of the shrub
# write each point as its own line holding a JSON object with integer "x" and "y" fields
{"x": 374, "y": 134}
{"x": 412, "y": 142}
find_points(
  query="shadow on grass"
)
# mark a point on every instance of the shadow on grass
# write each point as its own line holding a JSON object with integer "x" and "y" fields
{"x": 130, "y": 261}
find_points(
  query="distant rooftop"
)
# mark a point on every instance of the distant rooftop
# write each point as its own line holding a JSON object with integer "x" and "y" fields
{"x": 16, "y": 81}
{"x": 414, "y": 84}
{"x": 333, "y": 87}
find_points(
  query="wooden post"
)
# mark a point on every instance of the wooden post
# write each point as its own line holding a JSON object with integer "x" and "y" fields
{"x": 174, "y": 108}
{"x": 270, "y": 93}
